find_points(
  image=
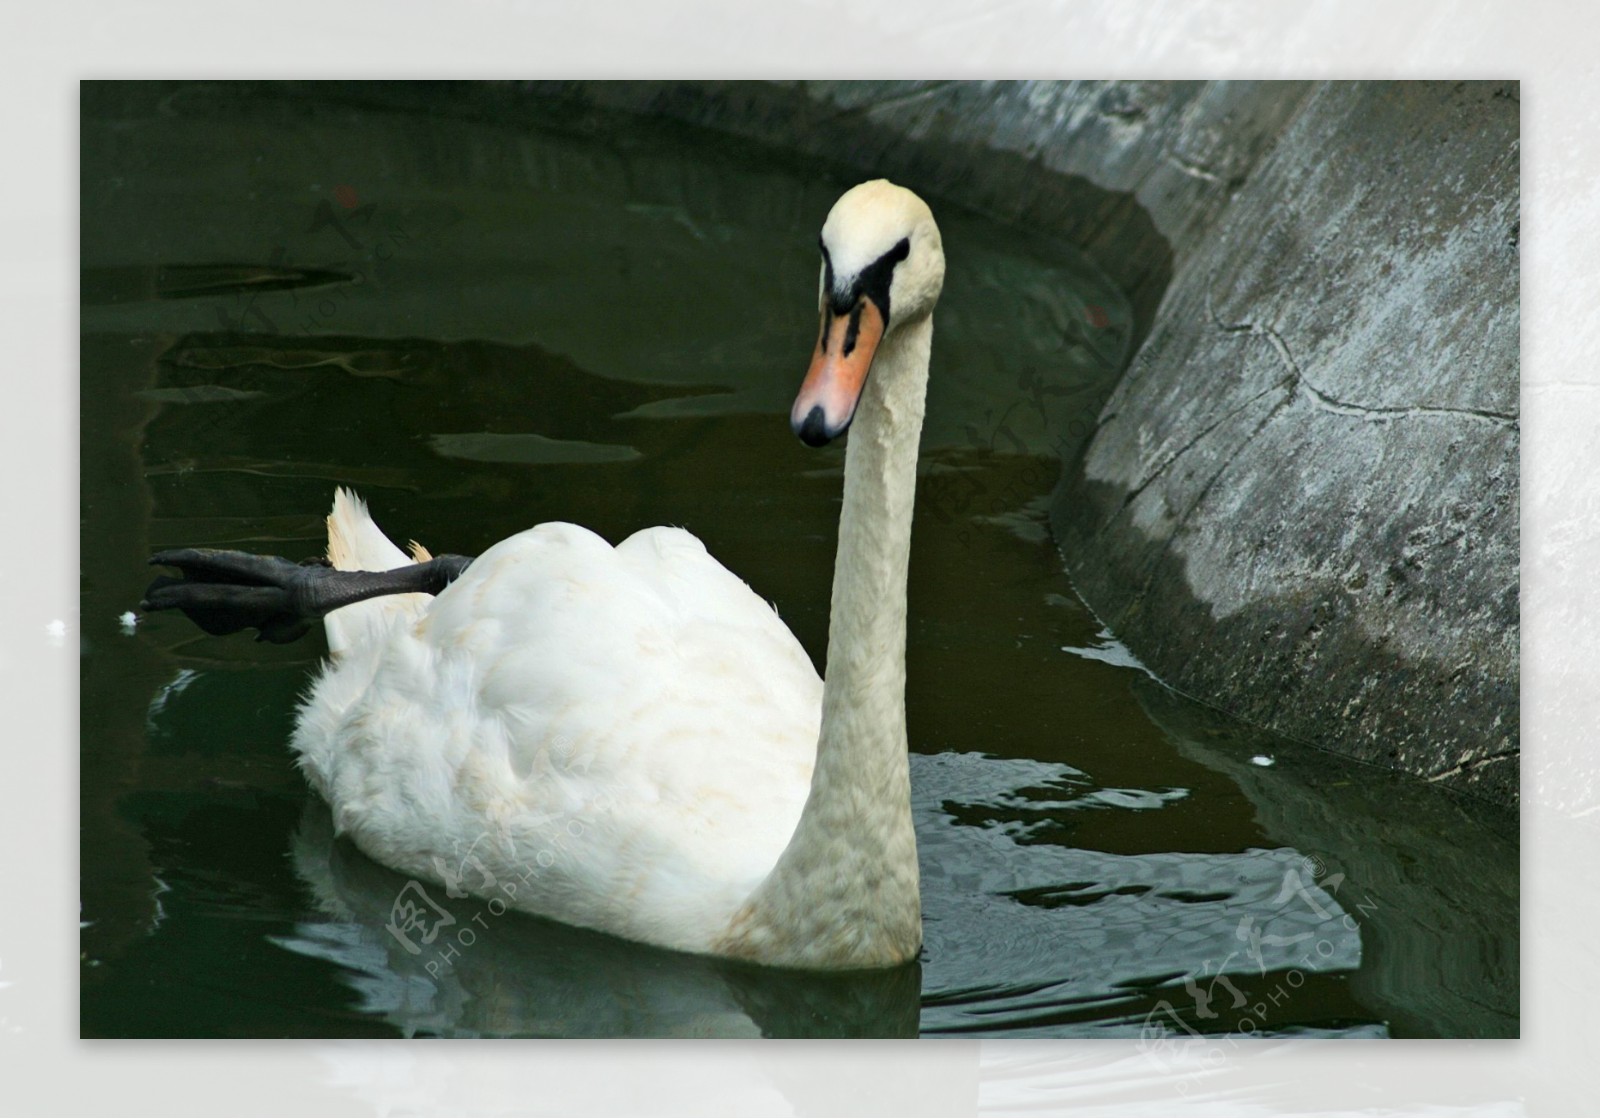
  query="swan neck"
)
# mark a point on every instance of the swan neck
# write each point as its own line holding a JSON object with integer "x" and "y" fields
{"x": 864, "y": 685}
{"x": 845, "y": 892}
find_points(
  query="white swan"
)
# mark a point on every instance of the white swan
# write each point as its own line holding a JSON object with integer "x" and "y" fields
{"x": 629, "y": 739}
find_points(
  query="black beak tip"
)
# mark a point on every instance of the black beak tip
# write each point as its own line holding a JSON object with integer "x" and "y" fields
{"x": 813, "y": 430}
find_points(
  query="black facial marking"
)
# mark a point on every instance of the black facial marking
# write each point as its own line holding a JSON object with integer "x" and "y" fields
{"x": 872, "y": 283}
{"x": 876, "y": 277}
{"x": 853, "y": 331}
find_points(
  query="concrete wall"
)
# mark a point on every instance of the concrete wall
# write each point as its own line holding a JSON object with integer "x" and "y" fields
{"x": 1301, "y": 503}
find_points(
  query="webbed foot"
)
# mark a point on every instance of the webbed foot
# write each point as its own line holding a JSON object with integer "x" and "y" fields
{"x": 224, "y": 592}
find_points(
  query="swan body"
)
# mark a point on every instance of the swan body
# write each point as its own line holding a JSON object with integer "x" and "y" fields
{"x": 629, "y": 738}
{"x": 626, "y": 735}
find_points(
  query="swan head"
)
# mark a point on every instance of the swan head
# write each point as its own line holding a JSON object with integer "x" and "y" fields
{"x": 882, "y": 269}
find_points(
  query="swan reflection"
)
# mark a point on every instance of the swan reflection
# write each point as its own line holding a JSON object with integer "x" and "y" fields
{"x": 1023, "y": 937}
{"x": 505, "y": 973}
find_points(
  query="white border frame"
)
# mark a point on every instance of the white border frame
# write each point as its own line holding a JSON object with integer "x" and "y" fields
{"x": 1549, "y": 46}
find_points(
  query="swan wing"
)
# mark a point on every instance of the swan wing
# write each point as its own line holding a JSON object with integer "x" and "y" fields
{"x": 626, "y": 733}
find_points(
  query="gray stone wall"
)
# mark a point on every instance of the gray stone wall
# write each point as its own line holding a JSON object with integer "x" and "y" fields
{"x": 1301, "y": 504}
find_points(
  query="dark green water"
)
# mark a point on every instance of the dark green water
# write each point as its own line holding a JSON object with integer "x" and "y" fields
{"x": 485, "y": 325}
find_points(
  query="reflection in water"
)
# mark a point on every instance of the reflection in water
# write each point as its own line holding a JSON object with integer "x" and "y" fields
{"x": 1026, "y": 936}
{"x": 1438, "y": 895}
{"x": 1021, "y": 937}
{"x": 489, "y": 973}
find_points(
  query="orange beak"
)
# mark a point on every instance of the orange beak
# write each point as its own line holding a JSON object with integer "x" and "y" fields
{"x": 839, "y": 367}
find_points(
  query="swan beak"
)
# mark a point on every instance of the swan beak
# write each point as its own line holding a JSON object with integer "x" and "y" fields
{"x": 839, "y": 367}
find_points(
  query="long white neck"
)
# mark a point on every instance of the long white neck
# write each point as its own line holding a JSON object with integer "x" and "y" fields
{"x": 845, "y": 891}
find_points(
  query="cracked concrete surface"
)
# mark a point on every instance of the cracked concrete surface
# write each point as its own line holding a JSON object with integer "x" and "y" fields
{"x": 1342, "y": 565}
{"x": 1344, "y": 407}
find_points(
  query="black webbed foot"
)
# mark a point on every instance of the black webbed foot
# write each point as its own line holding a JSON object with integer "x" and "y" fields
{"x": 224, "y": 592}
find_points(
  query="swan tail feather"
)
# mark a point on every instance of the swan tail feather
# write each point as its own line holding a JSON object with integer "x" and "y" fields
{"x": 356, "y": 543}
